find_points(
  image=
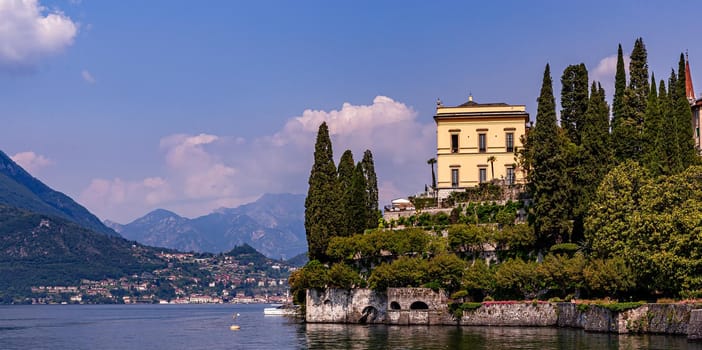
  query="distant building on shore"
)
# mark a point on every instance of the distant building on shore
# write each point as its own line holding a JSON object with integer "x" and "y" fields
{"x": 476, "y": 143}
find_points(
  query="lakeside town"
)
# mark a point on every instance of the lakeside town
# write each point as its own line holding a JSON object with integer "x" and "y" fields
{"x": 219, "y": 279}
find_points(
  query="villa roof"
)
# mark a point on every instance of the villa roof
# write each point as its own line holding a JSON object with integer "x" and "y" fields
{"x": 472, "y": 103}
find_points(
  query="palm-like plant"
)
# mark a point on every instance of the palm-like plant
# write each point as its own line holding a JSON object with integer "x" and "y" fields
{"x": 492, "y": 160}
{"x": 431, "y": 163}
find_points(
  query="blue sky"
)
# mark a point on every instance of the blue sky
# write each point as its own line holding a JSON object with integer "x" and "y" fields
{"x": 128, "y": 106}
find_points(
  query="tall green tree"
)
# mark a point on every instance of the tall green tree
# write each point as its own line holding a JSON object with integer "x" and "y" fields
{"x": 672, "y": 163}
{"x": 373, "y": 214}
{"x": 548, "y": 181}
{"x": 345, "y": 171}
{"x": 670, "y": 156}
{"x": 597, "y": 157}
{"x": 618, "y": 107}
{"x": 654, "y": 151}
{"x": 627, "y": 133}
{"x": 683, "y": 113}
{"x": 356, "y": 207}
{"x": 322, "y": 213}
{"x": 574, "y": 98}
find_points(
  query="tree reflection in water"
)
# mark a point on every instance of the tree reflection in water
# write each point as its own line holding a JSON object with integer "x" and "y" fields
{"x": 340, "y": 336}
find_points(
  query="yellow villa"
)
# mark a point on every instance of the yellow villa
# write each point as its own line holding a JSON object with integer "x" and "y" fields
{"x": 476, "y": 143}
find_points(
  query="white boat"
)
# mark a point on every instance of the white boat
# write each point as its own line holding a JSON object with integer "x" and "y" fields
{"x": 280, "y": 310}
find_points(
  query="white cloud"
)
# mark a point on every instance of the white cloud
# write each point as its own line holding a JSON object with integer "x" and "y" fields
{"x": 29, "y": 32}
{"x": 605, "y": 70}
{"x": 206, "y": 172}
{"x": 31, "y": 161}
{"x": 126, "y": 198}
{"x": 87, "y": 77}
{"x": 607, "y": 67}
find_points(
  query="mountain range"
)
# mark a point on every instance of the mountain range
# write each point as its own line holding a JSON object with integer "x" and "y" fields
{"x": 19, "y": 189}
{"x": 273, "y": 225}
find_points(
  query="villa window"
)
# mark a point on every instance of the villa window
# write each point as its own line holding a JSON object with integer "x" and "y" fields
{"x": 509, "y": 138}
{"x": 510, "y": 176}
{"x": 482, "y": 175}
{"x": 454, "y": 178}
{"x": 482, "y": 143}
{"x": 454, "y": 143}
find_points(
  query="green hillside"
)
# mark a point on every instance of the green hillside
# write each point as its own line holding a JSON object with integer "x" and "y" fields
{"x": 21, "y": 190}
{"x": 38, "y": 249}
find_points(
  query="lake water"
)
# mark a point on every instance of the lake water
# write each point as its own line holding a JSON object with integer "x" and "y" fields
{"x": 207, "y": 327}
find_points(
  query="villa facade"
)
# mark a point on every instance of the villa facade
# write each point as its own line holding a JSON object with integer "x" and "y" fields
{"x": 476, "y": 143}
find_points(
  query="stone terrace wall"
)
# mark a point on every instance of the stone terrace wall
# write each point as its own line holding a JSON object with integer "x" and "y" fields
{"x": 414, "y": 306}
{"x": 648, "y": 318}
{"x": 512, "y": 314}
{"x": 422, "y": 306}
{"x": 345, "y": 306}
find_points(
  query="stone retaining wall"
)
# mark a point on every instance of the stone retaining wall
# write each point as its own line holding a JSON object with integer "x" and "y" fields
{"x": 422, "y": 306}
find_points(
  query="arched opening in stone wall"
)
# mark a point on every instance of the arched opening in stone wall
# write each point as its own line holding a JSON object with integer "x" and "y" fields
{"x": 395, "y": 305}
{"x": 327, "y": 302}
{"x": 368, "y": 315}
{"x": 419, "y": 305}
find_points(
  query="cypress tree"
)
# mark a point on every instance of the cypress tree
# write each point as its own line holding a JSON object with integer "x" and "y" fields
{"x": 627, "y": 134}
{"x": 654, "y": 151}
{"x": 548, "y": 179}
{"x": 638, "y": 80}
{"x": 574, "y": 100}
{"x": 688, "y": 155}
{"x": 672, "y": 163}
{"x": 357, "y": 203}
{"x": 373, "y": 214}
{"x": 322, "y": 214}
{"x": 618, "y": 102}
{"x": 345, "y": 173}
{"x": 597, "y": 153}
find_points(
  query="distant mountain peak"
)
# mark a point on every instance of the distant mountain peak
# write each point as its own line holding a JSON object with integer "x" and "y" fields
{"x": 273, "y": 225}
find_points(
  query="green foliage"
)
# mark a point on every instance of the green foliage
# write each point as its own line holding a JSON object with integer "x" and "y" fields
{"x": 246, "y": 254}
{"x": 485, "y": 191}
{"x": 574, "y": 101}
{"x": 671, "y": 161}
{"x": 608, "y": 277}
{"x": 619, "y": 307}
{"x": 505, "y": 217}
{"x": 468, "y": 240}
{"x": 653, "y": 131}
{"x": 423, "y": 202}
{"x": 356, "y": 207}
{"x": 563, "y": 274}
{"x": 683, "y": 114}
{"x": 446, "y": 270}
{"x": 374, "y": 244}
{"x": 322, "y": 205}
{"x": 313, "y": 275}
{"x": 345, "y": 173}
{"x": 342, "y": 276}
{"x": 479, "y": 280}
{"x": 40, "y": 250}
{"x": 371, "y": 181}
{"x": 518, "y": 279}
{"x": 613, "y": 211}
{"x": 548, "y": 182}
{"x": 596, "y": 157}
{"x": 516, "y": 240}
{"x": 402, "y": 272}
{"x": 457, "y": 309}
{"x": 654, "y": 226}
{"x": 564, "y": 248}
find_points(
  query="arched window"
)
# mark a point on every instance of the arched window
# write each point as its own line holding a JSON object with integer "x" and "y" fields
{"x": 419, "y": 305}
{"x": 394, "y": 305}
